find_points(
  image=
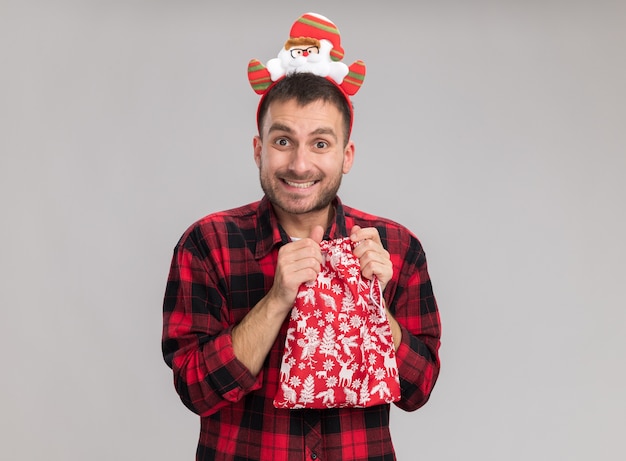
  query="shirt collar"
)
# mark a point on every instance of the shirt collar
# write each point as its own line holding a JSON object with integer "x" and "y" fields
{"x": 337, "y": 228}
{"x": 269, "y": 233}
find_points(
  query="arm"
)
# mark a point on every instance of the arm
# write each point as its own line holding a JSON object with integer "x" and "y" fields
{"x": 412, "y": 312}
{"x": 298, "y": 262}
{"x": 415, "y": 309}
{"x": 216, "y": 363}
{"x": 197, "y": 341}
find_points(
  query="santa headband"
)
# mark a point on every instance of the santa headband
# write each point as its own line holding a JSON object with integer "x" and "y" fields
{"x": 314, "y": 46}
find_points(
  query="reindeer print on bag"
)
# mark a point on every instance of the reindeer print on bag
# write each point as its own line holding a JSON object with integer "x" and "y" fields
{"x": 339, "y": 348}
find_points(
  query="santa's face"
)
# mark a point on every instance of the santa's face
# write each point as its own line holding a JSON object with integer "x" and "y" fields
{"x": 302, "y": 156}
{"x": 307, "y": 58}
{"x": 298, "y": 51}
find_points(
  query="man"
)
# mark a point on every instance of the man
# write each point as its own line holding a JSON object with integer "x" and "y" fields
{"x": 235, "y": 276}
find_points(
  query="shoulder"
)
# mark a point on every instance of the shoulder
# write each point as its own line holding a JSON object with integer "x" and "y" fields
{"x": 363, "y": 219}
{"x": 240, "y": 214}
{"x": 218, "y": 225}
{"x": 396, "y": 237}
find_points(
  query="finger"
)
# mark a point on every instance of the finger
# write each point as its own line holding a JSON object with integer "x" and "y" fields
{"x": 378, "y": 255}
{"x": 317, "y": 234}
{"x": 359, "y": 234}
{"x": 356, "y": 236}
{"x": 292, "y": 273}
{"x": 374, "y": 260}
{"x": 370, "y": 248}
{"x": 382, "y": 270}
{"x": 302, "y": 251}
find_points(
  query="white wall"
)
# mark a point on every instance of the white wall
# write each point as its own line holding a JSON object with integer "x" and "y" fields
{"x": 495, "y": 130}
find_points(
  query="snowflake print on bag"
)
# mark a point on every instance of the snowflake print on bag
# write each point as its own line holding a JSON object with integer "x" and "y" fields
{"x": 339, "y": 348}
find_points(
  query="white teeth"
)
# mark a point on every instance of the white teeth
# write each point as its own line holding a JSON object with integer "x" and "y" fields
{"x": 300, "y": 185}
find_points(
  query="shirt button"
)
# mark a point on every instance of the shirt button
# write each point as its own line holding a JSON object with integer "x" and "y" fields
{"x": 313, "y": 455}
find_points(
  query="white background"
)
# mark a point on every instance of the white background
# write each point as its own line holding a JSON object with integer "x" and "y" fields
{"x": 495, "y": 130}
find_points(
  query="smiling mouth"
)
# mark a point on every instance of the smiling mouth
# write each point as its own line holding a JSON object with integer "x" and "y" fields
{"x": 299, "y": 185}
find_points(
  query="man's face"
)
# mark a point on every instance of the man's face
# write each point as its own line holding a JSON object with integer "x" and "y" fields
{"x": 301, "y": 155}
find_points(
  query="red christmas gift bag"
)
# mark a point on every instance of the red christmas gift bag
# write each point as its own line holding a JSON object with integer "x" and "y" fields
{"x": 339, "y": 349}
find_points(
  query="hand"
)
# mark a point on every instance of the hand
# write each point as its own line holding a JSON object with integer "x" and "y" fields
{"x": 373, "y": 257}
{"x": 298, "y": 262}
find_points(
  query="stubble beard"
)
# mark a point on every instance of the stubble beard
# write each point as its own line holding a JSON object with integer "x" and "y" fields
{"x": 293, "y": 203}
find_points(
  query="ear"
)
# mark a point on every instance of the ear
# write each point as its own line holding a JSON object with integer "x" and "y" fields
{"x": 348, "y": 157}
{"x": 257, "y": 144}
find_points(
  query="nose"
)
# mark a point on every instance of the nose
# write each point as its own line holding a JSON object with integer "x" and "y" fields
{"x": 300, "y": 162}
{"x": 305, "y": 53}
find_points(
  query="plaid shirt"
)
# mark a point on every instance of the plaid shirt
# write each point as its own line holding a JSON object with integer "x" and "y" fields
{"x": 222, "y": 267}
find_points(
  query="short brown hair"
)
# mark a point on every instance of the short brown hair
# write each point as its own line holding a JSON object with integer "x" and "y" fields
{"x": 306, "y": 88}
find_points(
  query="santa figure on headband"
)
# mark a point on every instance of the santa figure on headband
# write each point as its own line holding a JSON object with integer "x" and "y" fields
{"x": 314, "y": 46}
{"x": 305, "y": 54}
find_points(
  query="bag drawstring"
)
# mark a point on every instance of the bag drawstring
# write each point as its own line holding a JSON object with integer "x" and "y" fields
{"x": 378, "y": 302}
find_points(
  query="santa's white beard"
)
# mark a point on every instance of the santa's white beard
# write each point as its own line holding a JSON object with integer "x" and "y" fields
{"x": 317, "y": 63}
{"x": 313, "y": 63}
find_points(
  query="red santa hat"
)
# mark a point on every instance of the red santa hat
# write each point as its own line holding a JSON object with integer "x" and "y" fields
{"x": 315, "y": 25}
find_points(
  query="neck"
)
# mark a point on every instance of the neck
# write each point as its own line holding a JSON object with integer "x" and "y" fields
{"x": 300, "y": 225}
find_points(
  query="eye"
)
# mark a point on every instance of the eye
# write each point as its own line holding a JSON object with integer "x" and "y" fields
{"x": 295, "y": 52}
{"x": 282, "y": 142}
{"x": 321, "y": 145}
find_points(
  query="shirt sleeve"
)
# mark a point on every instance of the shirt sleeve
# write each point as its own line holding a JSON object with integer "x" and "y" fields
{"x": 415, "y": 308}
{"x": 197, "y": 341}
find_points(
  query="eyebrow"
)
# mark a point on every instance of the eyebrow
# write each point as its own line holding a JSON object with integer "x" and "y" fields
{"x": 280, "y": 127}
{"x": 328, "y": 131}
{"x": 287, "y": 129}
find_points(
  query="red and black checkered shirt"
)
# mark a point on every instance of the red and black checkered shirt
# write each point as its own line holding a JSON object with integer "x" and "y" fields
{"x": 222, "y": 267}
